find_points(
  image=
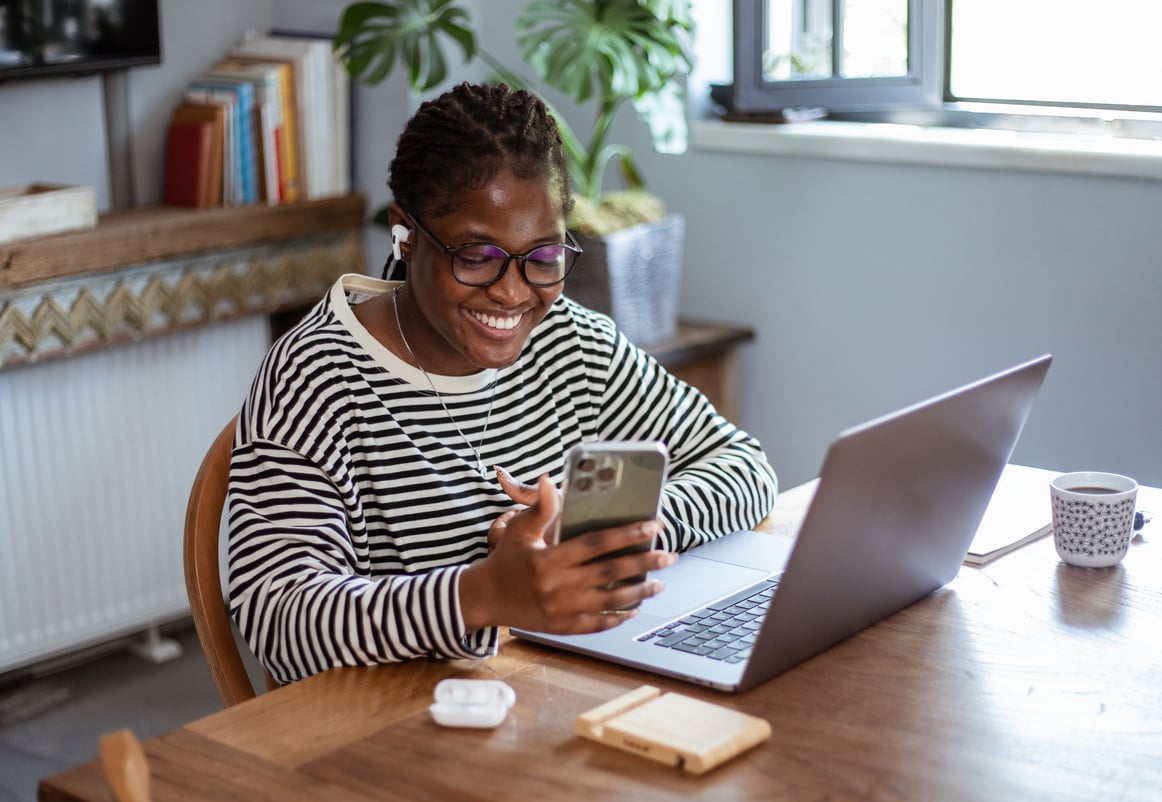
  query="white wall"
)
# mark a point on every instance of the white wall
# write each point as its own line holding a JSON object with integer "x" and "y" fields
{"x": 872, "y": 286}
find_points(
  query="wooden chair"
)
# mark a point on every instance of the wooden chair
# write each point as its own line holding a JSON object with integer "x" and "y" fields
{"x": 203, "y": 580}
{"x": 125, "y": 765}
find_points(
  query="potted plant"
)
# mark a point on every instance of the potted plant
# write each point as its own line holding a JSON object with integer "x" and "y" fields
{"x": 603, "y": 53}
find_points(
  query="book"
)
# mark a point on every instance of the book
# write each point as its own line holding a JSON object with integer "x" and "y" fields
{"x": 341, "y": 123}
{"x": 286, "y": 118}
{"x": 215, "y": 115}
{"x": 207, "y": 89}
{"x": 310, "y": 86}
{"x": 268, "y": 119}
{"x": 227, "y": 101}
{"x": 323, "y": 86}
{"x": 1018, "y": 514}
{"x": 188, "y": 163}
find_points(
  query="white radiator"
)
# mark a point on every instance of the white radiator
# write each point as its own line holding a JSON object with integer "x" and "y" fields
{"x": 97, "y": 455}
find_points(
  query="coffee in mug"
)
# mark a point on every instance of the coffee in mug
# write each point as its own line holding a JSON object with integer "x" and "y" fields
{"x": 1093, "y": 517}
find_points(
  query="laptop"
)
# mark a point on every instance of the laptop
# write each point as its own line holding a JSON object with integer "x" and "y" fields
{"x": 898, "y": 502}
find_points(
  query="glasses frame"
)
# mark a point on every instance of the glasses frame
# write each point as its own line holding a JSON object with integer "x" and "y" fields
{"x": 522, "y": 258}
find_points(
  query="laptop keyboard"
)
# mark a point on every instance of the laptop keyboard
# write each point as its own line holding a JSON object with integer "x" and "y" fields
{"x": 723, "y": 630}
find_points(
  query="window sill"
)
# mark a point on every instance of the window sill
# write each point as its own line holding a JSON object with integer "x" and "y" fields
{"x": 1083, "y": 154}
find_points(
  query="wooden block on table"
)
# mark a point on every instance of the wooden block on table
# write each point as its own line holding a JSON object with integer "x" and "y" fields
{"x": 673, "y": 729}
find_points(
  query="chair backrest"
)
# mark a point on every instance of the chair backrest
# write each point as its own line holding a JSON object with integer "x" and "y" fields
{"x": 203, "y": 577}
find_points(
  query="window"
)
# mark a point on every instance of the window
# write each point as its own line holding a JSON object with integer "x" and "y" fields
{"x": 951, "y": 62}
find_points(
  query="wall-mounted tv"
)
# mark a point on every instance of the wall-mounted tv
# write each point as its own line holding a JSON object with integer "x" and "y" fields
{"x": 76, "y": 37}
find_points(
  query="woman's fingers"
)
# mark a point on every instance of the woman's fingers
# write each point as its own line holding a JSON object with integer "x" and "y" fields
{"x": 496, "y": 531}
{"x": 592, "y": 545}
{"x": 531, "y": 523}
{"x": 517, "y": 491}
{"x": 608, "y": 609}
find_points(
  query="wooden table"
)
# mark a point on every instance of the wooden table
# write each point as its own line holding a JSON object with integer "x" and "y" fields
{"x": 1023, "y": 680}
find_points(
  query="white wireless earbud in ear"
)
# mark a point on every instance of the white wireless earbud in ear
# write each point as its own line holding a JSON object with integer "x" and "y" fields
{"x": 399, "y": 235}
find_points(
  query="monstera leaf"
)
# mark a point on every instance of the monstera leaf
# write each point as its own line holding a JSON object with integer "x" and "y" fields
{"x": 611, "y": 50}
{"x": 372, "y": 36}
{"x": 601, "y": 52}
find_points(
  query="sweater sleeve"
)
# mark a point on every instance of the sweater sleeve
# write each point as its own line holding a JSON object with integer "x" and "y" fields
{"x": 720, "y": 480}
{"x": 301, "y": 588}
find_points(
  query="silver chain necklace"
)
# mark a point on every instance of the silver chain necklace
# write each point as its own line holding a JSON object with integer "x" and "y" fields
{"x": 487, "y": 419}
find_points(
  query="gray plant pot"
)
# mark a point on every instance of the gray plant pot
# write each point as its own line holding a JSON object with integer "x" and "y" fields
{"x": 634, "y": 276}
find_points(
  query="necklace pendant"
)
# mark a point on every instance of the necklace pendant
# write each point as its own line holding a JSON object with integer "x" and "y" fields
{"x": 480, "y": 466}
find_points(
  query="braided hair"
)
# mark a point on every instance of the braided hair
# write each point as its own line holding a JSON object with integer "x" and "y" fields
{"x": 465, "y": 137}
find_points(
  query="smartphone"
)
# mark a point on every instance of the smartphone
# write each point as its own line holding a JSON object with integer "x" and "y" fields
{"x": 609, "y": 484}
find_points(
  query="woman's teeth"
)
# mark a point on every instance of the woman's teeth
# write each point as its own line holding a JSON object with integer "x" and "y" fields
{"x": 494, "y": 322}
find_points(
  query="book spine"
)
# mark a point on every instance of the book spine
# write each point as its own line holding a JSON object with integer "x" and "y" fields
{"x": 288, "y": 153}
{"x": 245, "y": 130}
{"x": 187, "y": 163}
{"x": 232, "y": 194}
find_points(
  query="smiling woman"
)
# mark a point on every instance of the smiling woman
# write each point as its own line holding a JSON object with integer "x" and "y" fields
{"x": 365, "y": 524}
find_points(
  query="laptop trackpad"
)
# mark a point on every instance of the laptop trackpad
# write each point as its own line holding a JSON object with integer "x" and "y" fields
{"x": 693, "y": 582}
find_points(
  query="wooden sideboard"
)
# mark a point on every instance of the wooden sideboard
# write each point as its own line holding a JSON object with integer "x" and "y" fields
{"x": 706, "y": 356}
{"x": 159, "y": 269}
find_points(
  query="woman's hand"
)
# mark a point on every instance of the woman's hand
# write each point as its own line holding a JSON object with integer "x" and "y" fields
{"x": 525, "y": 582}
{"x": 525, "y": 495}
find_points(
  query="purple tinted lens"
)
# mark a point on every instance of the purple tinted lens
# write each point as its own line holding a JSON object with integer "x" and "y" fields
{"x": 480, "y": 256}
{"x": 490, "y": 252}
{"x": 548, "y": 255}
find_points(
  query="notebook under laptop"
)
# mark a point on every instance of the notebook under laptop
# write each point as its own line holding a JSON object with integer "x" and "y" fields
{"x": 898, "y": 502}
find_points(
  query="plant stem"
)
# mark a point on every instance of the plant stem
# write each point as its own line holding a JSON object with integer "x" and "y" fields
{"x": 594, "y": 164}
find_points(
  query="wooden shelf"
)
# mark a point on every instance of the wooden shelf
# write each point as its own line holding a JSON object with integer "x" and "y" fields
{"x": 157, "y": 233}
{"x": 706, "y": 356}
{"x": 160, "y": 269}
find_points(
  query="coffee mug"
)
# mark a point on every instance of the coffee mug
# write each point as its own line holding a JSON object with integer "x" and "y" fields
{"x": 1093, "y": 517}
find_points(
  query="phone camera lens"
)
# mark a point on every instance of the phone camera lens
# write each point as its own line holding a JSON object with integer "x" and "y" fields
{"x": 606, "y": 473}
{"x": 584, "y": 483}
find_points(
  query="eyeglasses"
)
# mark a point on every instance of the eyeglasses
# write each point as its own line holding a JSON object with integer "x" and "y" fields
{"x": 479, "y": 264}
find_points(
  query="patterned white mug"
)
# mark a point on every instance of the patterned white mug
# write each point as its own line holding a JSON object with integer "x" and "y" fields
{"x": 1093, "y": 517}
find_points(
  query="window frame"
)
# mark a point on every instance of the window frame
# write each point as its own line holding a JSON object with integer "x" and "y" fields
{"x": 922, "y": 86}
{"x": 922, "y": 98}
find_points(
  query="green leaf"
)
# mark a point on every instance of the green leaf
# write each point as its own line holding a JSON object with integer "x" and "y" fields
{"x": 616, "y": 48}
{"x": 673, "y": 12}
{"x": 372, "y": 35}
{"x": 664, "y": 113}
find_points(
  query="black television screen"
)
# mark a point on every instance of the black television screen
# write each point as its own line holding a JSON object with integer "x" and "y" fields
{"x": 71, "y": 37}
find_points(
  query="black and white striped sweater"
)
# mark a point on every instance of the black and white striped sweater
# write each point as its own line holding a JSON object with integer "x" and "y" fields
{"x": 355, "y": 502}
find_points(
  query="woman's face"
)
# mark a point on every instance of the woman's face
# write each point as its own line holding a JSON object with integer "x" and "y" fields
{"x": 462, "y": 329}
